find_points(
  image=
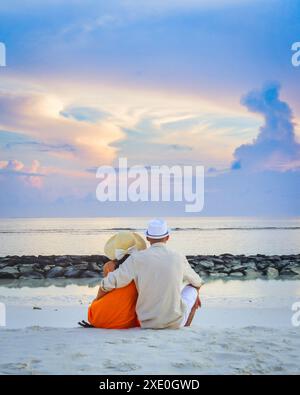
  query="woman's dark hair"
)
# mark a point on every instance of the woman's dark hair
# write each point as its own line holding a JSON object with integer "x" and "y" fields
{"x": 119, "y": 262}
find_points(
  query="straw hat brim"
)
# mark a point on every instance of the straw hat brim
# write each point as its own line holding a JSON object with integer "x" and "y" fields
{"x": 110, "y": 246}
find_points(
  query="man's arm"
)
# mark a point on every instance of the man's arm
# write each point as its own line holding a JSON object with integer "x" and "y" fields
{"x": 190, "y": 276}
{"x": 118, "y": 278}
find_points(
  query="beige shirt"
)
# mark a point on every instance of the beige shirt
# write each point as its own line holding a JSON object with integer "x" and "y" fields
{"x": 159, "y": 275}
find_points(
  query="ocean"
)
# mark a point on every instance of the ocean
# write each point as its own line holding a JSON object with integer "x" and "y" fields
{"x": 210, "y": 235}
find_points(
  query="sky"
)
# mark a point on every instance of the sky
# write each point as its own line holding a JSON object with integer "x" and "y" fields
{"x": 185, "y": 82}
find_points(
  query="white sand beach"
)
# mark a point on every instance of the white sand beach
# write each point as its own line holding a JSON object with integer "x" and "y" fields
{"x": 244, "y": 327}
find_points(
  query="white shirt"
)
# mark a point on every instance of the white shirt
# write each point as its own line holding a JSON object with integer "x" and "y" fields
{"x": 159, "y": 275}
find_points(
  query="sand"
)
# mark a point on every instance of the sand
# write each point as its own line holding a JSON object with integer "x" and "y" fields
{"x": 239, "y": 332}
{"x": 250, "y": 350}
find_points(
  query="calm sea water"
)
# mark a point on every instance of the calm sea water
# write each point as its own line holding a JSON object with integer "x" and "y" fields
{"x": 189, "y": 235}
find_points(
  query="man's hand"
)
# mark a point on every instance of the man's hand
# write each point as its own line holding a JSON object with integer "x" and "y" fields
{"x": 198, "y": 302}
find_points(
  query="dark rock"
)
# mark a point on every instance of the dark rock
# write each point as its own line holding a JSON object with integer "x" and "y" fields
{"x": 57, "y": 271}
{"x": 100, "y": 259}
{"x": 47, "y": 268}
{"x": 188, "y": 257}
{"x": 94, "y": 267}
{"x": 63, "y": 261}
{"x": 12, "y": 262}
{"x": 286, "y": 272}
{"x": 202, "y": 273}
{"x": 82, "y": 266}
{"x": 227, "y": 263}
{"x": 250, "y": 265}
{"x": 218, "y": 261}
{"x": 238, "y": 268}
{"x": 9, "y": 272}
{"x": 74, "y": 266}
{"x": 251, "y": 274}
{"x": 281, "y": 264}
{"x": 28, "y": 259}
{"x": 72, "y": 272}
{"x": 206, "y": 265}
{"x": 89, "y": 273}
{"x": 262, "y": 265}
{"x": 44, "y": 261}
{"x": 220, "y": 268}
{"x": 235, "y": 262}
{"x": 295, "y": 270}
{"x": 272, "y": 272}
{"x": 26, "y": 268}
{"x": 244, "y": 261}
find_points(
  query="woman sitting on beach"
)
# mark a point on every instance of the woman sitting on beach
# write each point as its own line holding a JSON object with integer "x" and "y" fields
{"x": 116, "y": 310}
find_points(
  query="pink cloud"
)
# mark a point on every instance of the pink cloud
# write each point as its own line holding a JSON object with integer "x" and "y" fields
{"x": 35, "y": 181}
{"x": 31, "y": 175}
{"x": 15, "y": 165}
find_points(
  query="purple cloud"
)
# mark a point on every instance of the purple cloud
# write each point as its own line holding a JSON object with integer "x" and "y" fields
{"x": 275, "y": 147}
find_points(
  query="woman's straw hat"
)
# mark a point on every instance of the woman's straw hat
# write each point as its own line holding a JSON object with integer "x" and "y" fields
{"x": 123, "y": 243}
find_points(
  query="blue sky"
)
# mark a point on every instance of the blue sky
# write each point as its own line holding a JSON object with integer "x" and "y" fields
{"x": 176, "y": 82}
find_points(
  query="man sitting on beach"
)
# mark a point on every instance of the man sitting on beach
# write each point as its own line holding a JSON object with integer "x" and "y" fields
{"x": 159, "y": 275}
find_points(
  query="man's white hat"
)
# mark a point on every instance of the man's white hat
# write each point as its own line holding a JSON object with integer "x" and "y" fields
{"x": 157, "y": 229}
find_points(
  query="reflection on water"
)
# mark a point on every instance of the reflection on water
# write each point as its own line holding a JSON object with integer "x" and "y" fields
{"x": 46, "y": 283}
{"x": 70, "y": 290}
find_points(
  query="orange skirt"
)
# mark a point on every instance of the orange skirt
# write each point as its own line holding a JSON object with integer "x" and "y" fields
{"x": 116, "y": 309}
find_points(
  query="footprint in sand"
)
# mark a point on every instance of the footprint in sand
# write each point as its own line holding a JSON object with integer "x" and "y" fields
{"x": 191, "y": 364}
{"x": 120, "y": 366}
{"x": 78, "y": 355}
{"x": 19, "y": 367}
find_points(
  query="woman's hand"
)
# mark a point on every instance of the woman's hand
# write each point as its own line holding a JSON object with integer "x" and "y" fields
{"x": 100, "y": 294}
{"x": 108, "y": 267}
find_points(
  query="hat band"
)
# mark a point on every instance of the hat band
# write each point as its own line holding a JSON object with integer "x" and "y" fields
{"x": 157, "y": 236}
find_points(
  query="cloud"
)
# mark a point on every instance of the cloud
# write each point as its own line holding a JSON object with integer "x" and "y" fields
{"x": 39, "y": 118}
{"x": 275, "y": 147}
{"x": 14, "y": 165}
{"x": 31, "y": 175}
{"x": 41, "y": 147}
{"x": 84, "y": 114}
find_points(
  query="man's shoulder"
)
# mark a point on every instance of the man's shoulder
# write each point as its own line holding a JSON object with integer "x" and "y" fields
{"x": 148, "y": 252}
{"x": 137, "y": 255}
{"x": 178, "y": 255}
{"x": 173, "y": 254}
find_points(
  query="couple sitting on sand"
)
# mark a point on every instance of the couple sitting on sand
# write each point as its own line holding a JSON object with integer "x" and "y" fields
{"x": 148, "y": 287}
